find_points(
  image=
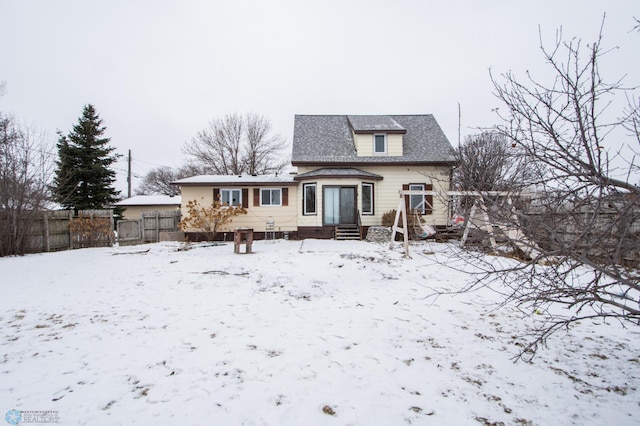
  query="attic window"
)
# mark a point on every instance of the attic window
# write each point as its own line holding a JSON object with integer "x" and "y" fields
{"x": 379, "y": 144}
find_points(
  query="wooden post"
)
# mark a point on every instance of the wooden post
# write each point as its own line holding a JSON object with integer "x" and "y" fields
{"x": 472, "y": 214}
{"x": 242, "y": 236}
{"x": 157, "y": 227}
{"x": 47, "y": 238}
{"x": 486, "y": 225}
{"x": 69, "y": 227}
{"x": 394, "y": 227}
{"x": 401, "y": 210}
{"x": 112, "y": 223}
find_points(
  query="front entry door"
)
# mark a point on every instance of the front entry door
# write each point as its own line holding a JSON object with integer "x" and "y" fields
{"x": 339, "y": 205}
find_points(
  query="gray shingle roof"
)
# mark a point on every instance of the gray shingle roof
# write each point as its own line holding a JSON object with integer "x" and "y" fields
{"x": 372, "y": 123}
{"x": 328, "y": 139}
{"x": 338, "y": 172}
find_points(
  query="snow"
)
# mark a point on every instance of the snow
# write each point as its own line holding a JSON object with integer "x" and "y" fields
{"x": 236, "y": 179}
{"x": 151, "y": 200}
{"x": 306, "y": 332}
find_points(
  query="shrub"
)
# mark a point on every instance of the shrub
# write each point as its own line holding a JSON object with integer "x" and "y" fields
{"x": 209, "y": 220}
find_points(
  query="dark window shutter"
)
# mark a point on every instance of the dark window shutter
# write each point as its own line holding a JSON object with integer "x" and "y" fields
{"x": 428, "y": 205}
{"x": 256, "y": 197}
{"x": 245, "y": 198}
{"x": 285, "y": 196}
{"x": 216, "y": 194}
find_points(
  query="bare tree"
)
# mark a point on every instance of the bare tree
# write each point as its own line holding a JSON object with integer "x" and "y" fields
{"x": 490, "y": 162}
{"x": 158, "y": 180}
{"x": 237, "y": 144}
{"x": 263, "y": 151}
{"x": 25, "y": 168}
{"x": 583, "y": 224}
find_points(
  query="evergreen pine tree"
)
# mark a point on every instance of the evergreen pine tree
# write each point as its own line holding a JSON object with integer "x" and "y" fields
{"x": 83, "y": 179}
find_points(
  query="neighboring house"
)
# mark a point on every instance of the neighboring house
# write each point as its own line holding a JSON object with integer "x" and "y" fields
{"x": 135, "y": 205}
{"x": 350, "y": 169}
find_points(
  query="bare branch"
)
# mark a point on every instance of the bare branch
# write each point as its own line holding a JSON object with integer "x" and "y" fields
{"x": 238, "y": 144}
{"x": 585, "y": 216}
{"x": 158, "y": 180}
{"x": 25, "y": 170}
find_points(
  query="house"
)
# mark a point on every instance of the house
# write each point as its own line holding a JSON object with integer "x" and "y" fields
{"x": 267, "y": 199}
{"x": 134, "y": 206}
{"x": 350, "y": 169}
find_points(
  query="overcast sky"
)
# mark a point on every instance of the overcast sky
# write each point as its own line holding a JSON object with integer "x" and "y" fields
{"x": 158, "y": 71}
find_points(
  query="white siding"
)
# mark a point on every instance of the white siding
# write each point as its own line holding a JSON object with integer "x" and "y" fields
{"x": 316, "y": 220}
{"x": 386, "y": 192}
{"x": 394, "y": 145}
{"x": 364, "y": 145}
{"x": 284, "y": 217}
{"x": 387, "y": 196}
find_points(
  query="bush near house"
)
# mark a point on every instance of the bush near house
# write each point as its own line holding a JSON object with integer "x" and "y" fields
{"x": 208, "y": 220}
{"x": 89, "y": 231}
{"x": 388, "y": 218}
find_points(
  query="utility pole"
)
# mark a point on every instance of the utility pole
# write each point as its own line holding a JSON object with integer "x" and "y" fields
{"x": 129, "y": 175}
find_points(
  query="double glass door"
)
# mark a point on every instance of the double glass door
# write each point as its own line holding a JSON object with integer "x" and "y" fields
{"x": 339, "y": 205}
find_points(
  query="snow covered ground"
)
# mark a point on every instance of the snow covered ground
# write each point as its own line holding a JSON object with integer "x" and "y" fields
{"x": 298, "y": 333}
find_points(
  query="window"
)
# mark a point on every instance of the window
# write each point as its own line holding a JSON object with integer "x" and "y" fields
{"x": 416, "y": 202}
{"x": 422, "y": 203}
{"x": 309, "y": 195}
{"x": 231, "y": 197}
{"x": 270, "y": 197}
{"x": 367, "y": 198}
{"x": 379, "y": 144}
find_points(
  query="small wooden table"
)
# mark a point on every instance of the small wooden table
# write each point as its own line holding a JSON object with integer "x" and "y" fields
{"x": 242, "y": 236}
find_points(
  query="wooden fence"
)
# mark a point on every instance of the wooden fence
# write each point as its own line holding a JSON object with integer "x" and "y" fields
{"x": 50, "y": 231}
{"x": 54, "y": 230}
{"x": 597, "y": 234}
{"x": 92, "y": 228}
{"x": 147, "y": 229}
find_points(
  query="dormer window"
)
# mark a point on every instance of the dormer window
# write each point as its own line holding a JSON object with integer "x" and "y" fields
{"x": 379, "y": 144}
